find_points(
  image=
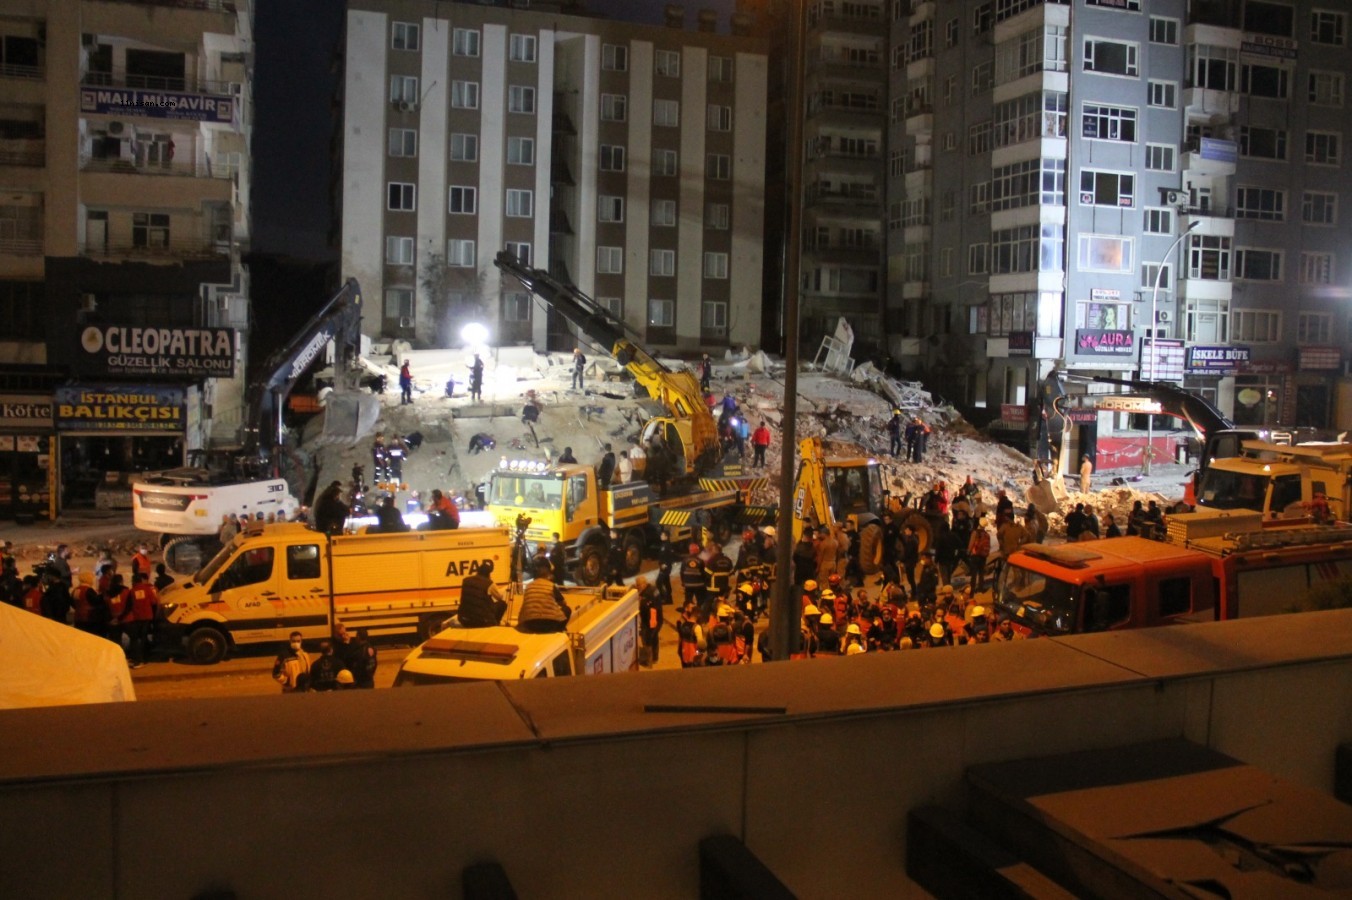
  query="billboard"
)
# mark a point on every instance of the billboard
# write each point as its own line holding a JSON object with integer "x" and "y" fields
{"x": 137, "y": 351}
{"x": 1218, "y": 360}
{"x": 116, "y": 101}
{"x": 120, "y": 408}
{"x": 1104, "y": 342}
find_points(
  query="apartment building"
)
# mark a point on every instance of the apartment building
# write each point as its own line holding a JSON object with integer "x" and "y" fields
{"x": 124, "y": 169}
{"x": 1123, "y": 188}
{"x": 626, "y": 159}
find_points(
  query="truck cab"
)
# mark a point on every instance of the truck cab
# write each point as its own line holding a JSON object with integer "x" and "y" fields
{"x": 1280, "y": 480}
{"x": 563, "y": 500}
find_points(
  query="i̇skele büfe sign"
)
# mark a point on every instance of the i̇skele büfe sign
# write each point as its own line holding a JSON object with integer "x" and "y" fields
{"x": 120, "y": 408}
{"x": 185, "y": 352}
{"x": 1102, "y": 342}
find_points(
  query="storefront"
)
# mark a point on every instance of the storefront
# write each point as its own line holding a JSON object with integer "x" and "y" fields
{"x": 26, "y": 436}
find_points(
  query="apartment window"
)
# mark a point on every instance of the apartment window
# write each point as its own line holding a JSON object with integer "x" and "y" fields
{"x": 983, "y": 17}
{"x": 404, "y": 36}
{"x": 1254, "y": 326}
{"x": 720, "y": 69}
{"x": 948, "y": 205}
{"x": 1028, "y": 248}
{"x": 462, "y": 200}
{"x": 465, "y": 147}
{"x": 1111, "y": 57}
{"x": 983, "y": 77}
{"x": 1326, "y": 88}
{"x": 1163, "y": 94}
{"x": 664, "y": 162}
{"x": 1123, "y": 5}
{"x": 1209, "y": 257}
{"x": 1323, "y": 148}
{"x": 1208, "y": 321}
{"x": 521, "y": 48}
{"x": 520, "y": 250}
{"x": 662, "y": 263}
{"x": 399, "y": 305}
{"x": 1319, "y": 208}
{"x": 1032, "y": 116}
{"x": 1099, "y": 188}
{"x": 401, "y": 197}
{"x": 667, "y": 113}
{"x": 667, "y": 63}
{"x": 611, "y": 158}
{"x": 150, "y": 230}
{"x": 521, "y": 99}
{"x": 949, "y": 89}
{"x": 718, "y": 216}
{"x": 719, "y": 166}
{"x": 978, "y": 258}
{"x": 949, "y": 141}
{"x": 951, "y": 32}
{"x": 461, "y": 254}
{"x": 979, "y": 138}
{"x": 1213, "y": 68}
{"x": 664, "y": 213}
{"x": 715, "y": 265}
{"x": 661, "y": 313}
{"x": 614, "y": 107}
{"x": 1328, "y": 27}
{"x": 403, "y": 142}
{"x": 1158, "y": 220}
{"x": 720, "y": 117}
{"x": 1262, "y": 143}
{"x": 946, "y": 262}
{"x": 1152, "y": 271}
{"x": 1316, "y": 268}
{"x": 465, "y": 94}
{"x": 612, "y": 305}
{"x": 1160, "y": 157}
{"x": 521, "y": 151}
{"x": 610, "y": 260}
{"x": 465, "y": 42}
{"x": 1265, "y": 204}
{"x": 1042, "y": 48}
{"x": 614, "y": 57}
{"x": 610, "y": 209}
{"x": 1163, "y": 31}
{"x": 1272, "y": 82}
{"x": 979, "y": 197}
{"x": 1105, "y": 253}
{"x": 1012, "y": 312}
{"x": 515, "y": 307}
{"x": 398, "y": 250}
{"x": 1252, "y": 264}
{"x": 713, "y": 316}
{"x": 1108, "y": 123}
{"x": 520, "y": 204}
{"x": 1030, "y": 182}
{"x": 403, "y": 89}
{"x": 1314, "y": 328}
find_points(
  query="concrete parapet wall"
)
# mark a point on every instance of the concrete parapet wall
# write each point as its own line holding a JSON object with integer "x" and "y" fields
{"x": 578, "y": 791}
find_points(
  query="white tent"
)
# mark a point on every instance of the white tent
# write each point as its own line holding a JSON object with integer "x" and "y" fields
{"x": 45, "y": 663}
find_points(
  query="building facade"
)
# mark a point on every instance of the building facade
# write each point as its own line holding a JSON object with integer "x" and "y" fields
{"x": 628, "y": 160}
{"x": 124, "y": 161}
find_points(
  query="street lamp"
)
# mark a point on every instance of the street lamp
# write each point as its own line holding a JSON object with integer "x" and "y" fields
{"x": 1154, "y": 320}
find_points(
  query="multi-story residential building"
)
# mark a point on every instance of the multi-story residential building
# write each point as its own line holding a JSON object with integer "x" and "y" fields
{"x": 626, "y": 159}
{"x": 124, "y": 161}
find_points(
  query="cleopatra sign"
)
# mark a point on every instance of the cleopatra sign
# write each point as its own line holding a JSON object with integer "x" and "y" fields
{"x": 134, "y": 350}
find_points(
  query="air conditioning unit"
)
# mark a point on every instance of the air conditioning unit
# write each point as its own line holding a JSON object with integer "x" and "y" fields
{"x": 115, "y": 127}
{"x": 407, "y": 105}
{"x": 1163, "y": 317}
{"x": 405, "y": 322}
{"x": 1175, "y": 198}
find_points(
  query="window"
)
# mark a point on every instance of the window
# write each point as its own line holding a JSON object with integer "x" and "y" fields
{"x": 667, "y": 63}
{"x": 150, "y": 230}
{"x": 465, "y": 147}
{"x": 1105, "y": 253}
{"x": 1028, "y": 248}
{"x": 664, "y": 162}
{"x": 1208, "y": 321}
{"x": 1258, "y": 265}
{"x": 1319, "y": 208}
{"x": 1032, "y": 116}
{"x": 949, "y": 141}
{"x": 952, "y": 29}
{"x": 521, "y": 99}
{"x": 521, "y": 151}
{"x": 1262, "y": 143}
{"x": 713, "y": 316}
{"x": 614, "y": 107}
{"x": 1012, "y": 312}
{"x": 403, "y": 142}
{"x": 403, "y": 89}
{"x": 1255, "y": 326}
{"x": 1327, "y": 27}
{"x": 1124, "y": 5}
{"x": 1109, "y": 123}
{"x": 664, "y": 213}
{"x": 398, "y": 250}
{"x": 1316, "y": 268}
{"x": 1031, "y": 182}
{"x": 667, "y": 113}
{"x": 404, "y": 36}
{"x": 978, "y": 258}
{"x": 521, "y": 48}
{"x": 662, "y": 262}
{"x": 1106, "y": 608}
{"x": 465, "y": 42}
{"x": 983, "y": 77}
{"x": 1160, "y": 157}
{"x": 1265, "y": 204}
{"x": 609, "y": 260}
{"x": 1111, "y": 57}
{"x": 401, "y": 197}
{"x": 979, "y": 197}
{"x": 718, "y": 216}
{"x": 1163, "y": 31}
{"x": 460, "y": 253}
{"x": 1163, "y": 94}
{"x": 1158, "y": 220}
{"x": 521, "y": 250}
{"x": 399, "y": 305}
{"x": 719, "y": 166}
{"x": 515, "y": 307}
{"x": 1213, "y": 68}
{"x": 614, "y": 57}
{"x": 1041, "y": 48}
{"x": 983, "y": 17}
{"x": 1314, "y": 328}
{"x": 462, "y": 201}
{"x": 253, "y": 567}
{"x": 520, "y": 204}
{"x": 720, "y": 117}
{"x": 1273, "y": 82}
{"x": 1323, "y": 148}
{"x": 979, "y": 138}
{"x": 1209, "y": 257}
{"x": 1098, "y": 188}
{"x": 1151, "y": 271}
{"x": 661, "y": 313}
{"x": 612, "y": 305}
{"x": 1326, "y": 88}
{"x": 465, "y": 94}
{"x": 610, "y": 209}
{"x": 720, "y": 69}
{"x": 715, "y": 265}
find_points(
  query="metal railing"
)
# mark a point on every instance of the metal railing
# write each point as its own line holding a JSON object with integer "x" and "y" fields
{"x": 23, "y": 152}
{"x": 21, "y": 245}
{"x": 159, "y": 83}
{"x": 9, "y": 70}
{"x": 201, "y": 168}
{"x": 227, "y": 6}
{"x": 194, "y": 248}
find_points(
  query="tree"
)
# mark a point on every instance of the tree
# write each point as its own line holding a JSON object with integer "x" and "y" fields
{"x": 456, "y": 294}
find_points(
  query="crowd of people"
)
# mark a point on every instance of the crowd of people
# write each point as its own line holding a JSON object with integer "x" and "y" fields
{"x": 346, "y": 662}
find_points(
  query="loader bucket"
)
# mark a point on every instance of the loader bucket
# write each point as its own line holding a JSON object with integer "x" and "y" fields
{"x": 350, "y": 415}
{"x": 1048, "y": 495}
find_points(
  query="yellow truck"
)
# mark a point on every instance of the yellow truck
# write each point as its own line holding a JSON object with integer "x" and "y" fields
{"x": 272, "y": 580}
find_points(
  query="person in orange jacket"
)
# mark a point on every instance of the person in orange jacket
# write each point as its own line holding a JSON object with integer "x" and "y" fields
{"x": 138, "y": 616}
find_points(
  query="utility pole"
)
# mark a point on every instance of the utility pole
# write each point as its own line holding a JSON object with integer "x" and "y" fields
{"x": 1154, "y": 321}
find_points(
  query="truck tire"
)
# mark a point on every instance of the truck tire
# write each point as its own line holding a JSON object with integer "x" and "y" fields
{"x": 207, "y": 645}
{"x": 633, "y": 553}
{"x": 722, "y": 529}
{"x": 591, "y": 565}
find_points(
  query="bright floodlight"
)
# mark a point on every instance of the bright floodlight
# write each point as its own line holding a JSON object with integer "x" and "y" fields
{"x": 474, "y": 333}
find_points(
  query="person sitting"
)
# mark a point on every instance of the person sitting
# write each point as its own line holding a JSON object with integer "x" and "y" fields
{"x": 567, "y": 456}
{"x": 543, "y": 609}
{"x": 535, "y": 495}
{"x": 442, "y": 513}
{"x": 479, "y": 442}
{"x": 388, "y": 519}
{"x": 481, "y": 602}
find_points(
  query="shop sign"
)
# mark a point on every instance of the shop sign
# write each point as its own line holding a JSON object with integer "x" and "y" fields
{"x": 1268, "y": 46}
{"x": 157, "y": 104}
{"x": 1206, "y": 360}
{"x": 1020, "y": 343}
{"x": 1321, "y": 359}
{"x": 139, "y": 352}
{"x": 1268, "y": 367}
{"x": 1103, "y": 342}
{"x": 125, "y": 408}
{"x": 1014, "y": 413}
{"x": 1162, "y": 359}
{"x": 1082, "y": 416}
{"x": 1219, "y": 150}
{"x": 1103, "y": 295}
{"x": 25, "y": 411}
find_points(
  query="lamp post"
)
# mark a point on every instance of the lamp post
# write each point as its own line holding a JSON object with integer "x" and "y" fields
{"x": 1154, "y": 320}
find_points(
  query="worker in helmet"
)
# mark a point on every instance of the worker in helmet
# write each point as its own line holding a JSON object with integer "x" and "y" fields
{"x": 810, "y": 596}
{"x": 894, "y": 430}
{"x": 828, "y": 640}
{"x": 806, "y": 643}
{"x": 854, "y": 641}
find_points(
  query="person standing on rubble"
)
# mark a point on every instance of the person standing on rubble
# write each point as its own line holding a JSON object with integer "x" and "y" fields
{"x": 706, "y": 373}
{"x": 579, "y": 365}
{"x": 476, "y": 380}
{"x": 760, "y": 442}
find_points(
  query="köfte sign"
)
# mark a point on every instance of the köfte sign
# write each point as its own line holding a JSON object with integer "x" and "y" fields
{"x": 120, "y": 408}
{"x": 137, "y": 351}
{"x": 157, "y": 104}
{"x": 1103, "y": 342}
{"x": 25, "y": 411}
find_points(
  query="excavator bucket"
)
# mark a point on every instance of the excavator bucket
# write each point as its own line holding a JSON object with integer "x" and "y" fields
{"x": 1048, "y": 494}
{"x": 350, "y": 415}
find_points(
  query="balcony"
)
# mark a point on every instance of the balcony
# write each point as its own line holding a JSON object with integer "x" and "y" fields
{"x": 157, "y": 249}
{"x": 23, "y": 152}
{"x": 842, "y": 195}
{"x": 201, "y": 168}
{"x": 20, "y": 241}
{"x": 221, "y": 6}
{"x": 154, "y": 97}
{"x": 1210, "y": 156}
{"x": 26, "y": 73}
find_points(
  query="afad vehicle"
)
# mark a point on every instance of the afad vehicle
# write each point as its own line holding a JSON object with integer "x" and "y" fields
{"x": 272, "y": 580}
{"x": 1211, "y": 568}
{"x": 601, "y": 637}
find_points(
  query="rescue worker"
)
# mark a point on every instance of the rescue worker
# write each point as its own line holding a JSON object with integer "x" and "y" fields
{"x": 558, "y": 560}
{"x": 615, "y": 566}
{"x": 605, "y": 470}
{"x": 978, "y": 551}
{"x": 118, "y": 600}
{"x": 442, "y": 513}
{"x": 1004, "y": 632}
{"x": 804, "y": 557}
{"x": 91, "y": 613}
{"x": 854, "y": 641}
{"x": 330, "y": 511}
{"x": 706, "y": 373}
{"x": 690, "y": 640}
{"x": 292, "y": 667}
{"x": 894, "y": 432}
{"x": 828, "y": 640}
{"x": 388, "y": 518}
{"x": 807, "y": 643}
{"x": 718, "y": 574}
{"x": 543, "y": 609}
{"x": 356, "y": 655}
{"x": 760, "y": 442}
{"x": 692, "y": 577}
{"x": 405, "y": 384}
{"x": 476, "y": 380}
{"x": 649, "y": 621}
{"x": 481, "y": 602}
{"x": 324, "y": 670}
{"x": 139, "y": 616}
{"x": 140, "y": 562}
{"x": 579, "y": 366}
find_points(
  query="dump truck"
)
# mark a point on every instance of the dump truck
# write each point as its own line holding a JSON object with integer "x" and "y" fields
{"x": 1281, "y": 481}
